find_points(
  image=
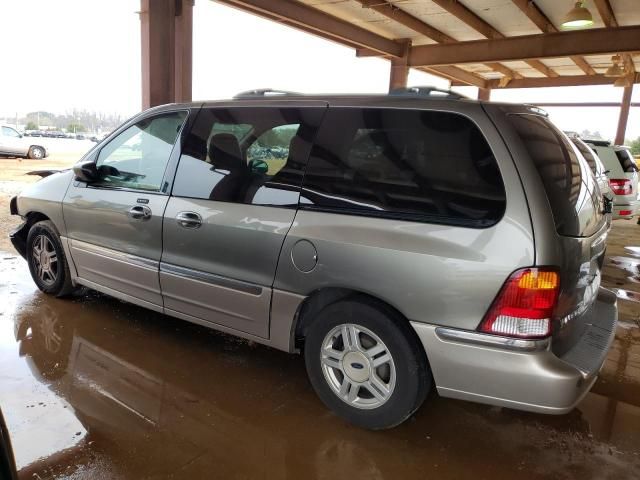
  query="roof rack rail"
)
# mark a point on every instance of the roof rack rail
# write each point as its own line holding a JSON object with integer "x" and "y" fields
{"x": 427, "y": 92}
{"x": 264, "y": 92}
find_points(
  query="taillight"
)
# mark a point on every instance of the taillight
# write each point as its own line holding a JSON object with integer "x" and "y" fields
{"x": 621, "y": 186}
{"x": 624, "y": 213}
{"x": 525, "y": 305}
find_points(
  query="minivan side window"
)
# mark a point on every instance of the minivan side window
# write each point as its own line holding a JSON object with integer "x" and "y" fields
{"x": 137, "y": 157}
{"x": 411, "y": 164}
{"x": 250, "y": 155}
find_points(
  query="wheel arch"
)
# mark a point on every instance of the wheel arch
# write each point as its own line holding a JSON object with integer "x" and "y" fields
{"x": 321, "y": 298}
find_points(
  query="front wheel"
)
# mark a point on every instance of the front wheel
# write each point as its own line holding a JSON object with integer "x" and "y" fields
{"x": 36, "y": 153}
{"x": 47, "y": 261}
{"x": 366, "y": 364}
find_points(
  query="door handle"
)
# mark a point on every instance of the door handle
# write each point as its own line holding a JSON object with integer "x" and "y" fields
{"x": 189, "y": 219}
{"x": 140, "y": 212}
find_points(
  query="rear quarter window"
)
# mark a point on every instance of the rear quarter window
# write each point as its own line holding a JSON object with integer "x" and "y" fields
{"x": 626, "y": 161}
{"x": 417, "y": 165}
{"x": 570, "y": 187}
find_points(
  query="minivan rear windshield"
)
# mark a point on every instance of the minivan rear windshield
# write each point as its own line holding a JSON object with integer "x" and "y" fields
{"x": 570, "y": 187}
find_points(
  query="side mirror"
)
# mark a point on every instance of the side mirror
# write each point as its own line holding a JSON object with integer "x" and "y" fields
{"x": 86, "y": 171}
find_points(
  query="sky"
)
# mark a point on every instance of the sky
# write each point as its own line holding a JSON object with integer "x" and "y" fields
{"x": 85, "y": 54}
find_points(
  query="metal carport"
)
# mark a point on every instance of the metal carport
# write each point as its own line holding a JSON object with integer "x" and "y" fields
{"x": 489, "y": 44}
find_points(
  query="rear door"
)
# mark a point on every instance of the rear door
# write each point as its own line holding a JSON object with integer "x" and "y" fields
{"x": 234, "y": 199}
{"x": 114, "y": 224}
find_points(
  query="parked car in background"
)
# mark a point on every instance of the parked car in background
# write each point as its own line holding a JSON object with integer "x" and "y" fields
{"x": 398, "y": 241}
{"x": 598, "y": 169}
{"x": 56, "y": 134}
{"x": 623, "y": 176}
{"x": 13, "y": 143}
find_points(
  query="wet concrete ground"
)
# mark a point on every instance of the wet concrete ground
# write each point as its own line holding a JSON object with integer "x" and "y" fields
{"x": 95, "y": 388}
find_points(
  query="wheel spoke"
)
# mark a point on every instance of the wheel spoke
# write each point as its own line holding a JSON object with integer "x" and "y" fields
{"x": 376, "y": 350}
{"x": 381, "y": 360}
{"x": 353, "y": 393}
{"x": 331, "y": 362}
{"x": 53, "y": 257}
{"x": 344, "y": 387}
{"x": 377, "y": 387}
{"x": 351, "y": 337}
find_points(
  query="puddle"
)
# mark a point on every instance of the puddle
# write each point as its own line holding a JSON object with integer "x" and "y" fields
{"x": 629, "y": 265}
{"x": 105, "y": 389}
{"x": 627, "y": 295}
{"x": 635, "y": 251}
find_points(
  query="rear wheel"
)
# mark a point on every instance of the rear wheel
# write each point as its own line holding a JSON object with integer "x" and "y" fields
{"x": 366, "y": 364}
{"x": 47, "y": 261}
{"x": 36, "y": 153}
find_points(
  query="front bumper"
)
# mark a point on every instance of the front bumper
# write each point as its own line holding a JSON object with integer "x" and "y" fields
{"x": 524, "y": 375}
{"x": 18, "y": 238}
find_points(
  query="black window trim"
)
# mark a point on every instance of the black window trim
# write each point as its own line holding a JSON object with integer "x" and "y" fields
{"x": 406, "y": 216}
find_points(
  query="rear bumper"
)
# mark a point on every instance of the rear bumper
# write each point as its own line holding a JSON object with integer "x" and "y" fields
{"x": 523, "y": 375}
{"x": 633, "y": 206}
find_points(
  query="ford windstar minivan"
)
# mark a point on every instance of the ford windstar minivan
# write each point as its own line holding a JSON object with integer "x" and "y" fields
{"x": 403, "y": 243}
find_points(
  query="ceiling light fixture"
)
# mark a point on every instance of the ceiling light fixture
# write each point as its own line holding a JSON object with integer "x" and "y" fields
{"x": 578, "y": 17}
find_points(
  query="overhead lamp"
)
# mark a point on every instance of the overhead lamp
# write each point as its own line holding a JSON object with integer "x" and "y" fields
{"x": 614, "y": 70}
{"x": 578, "y": 17}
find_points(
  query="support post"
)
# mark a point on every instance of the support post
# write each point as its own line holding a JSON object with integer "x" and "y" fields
{"x": 624, "y": 114}
{"x": 484, "y": 94}
{"x": 183, "y": 50}
{"x": 166, "y": 41}
{"x": 399, "y": 71}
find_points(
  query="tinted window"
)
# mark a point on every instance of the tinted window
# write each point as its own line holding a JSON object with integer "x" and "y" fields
{"x": 626, "y": 161}
{"x": 572, "y": 192}
{"x": 247, "y": 155}
{"x": 138, "y": 156}
{"x": 413, "y": 164}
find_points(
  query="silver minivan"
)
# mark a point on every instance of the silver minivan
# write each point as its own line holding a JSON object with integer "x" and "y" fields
{"x": 403, "y": 243}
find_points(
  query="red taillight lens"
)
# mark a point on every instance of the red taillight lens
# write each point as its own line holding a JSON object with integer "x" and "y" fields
{"x": 624, "y": 212}
{"x": 621, "y": 186}
{"x": 525, "y": 305}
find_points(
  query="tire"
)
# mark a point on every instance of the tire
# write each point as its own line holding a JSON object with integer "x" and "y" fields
{"x": 47, "y": 261}
{"x": 368, "y": 395}
{"x": 36, "y": 153}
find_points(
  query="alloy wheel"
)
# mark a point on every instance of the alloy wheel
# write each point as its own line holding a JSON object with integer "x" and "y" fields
{"x": 358, "y": 366}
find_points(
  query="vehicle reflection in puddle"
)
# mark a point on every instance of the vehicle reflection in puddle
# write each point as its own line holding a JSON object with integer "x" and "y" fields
{"x": 629, "y": 265}
{"x": 157, "y": 397}
{"x": 627, "y": 294}
{"x": 635, "y": 251}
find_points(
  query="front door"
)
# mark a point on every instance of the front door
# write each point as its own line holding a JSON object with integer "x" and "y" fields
{"x": 234, "y": 199}
{"x": 11, "y": 142}
{"x": 114, "y": 224}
